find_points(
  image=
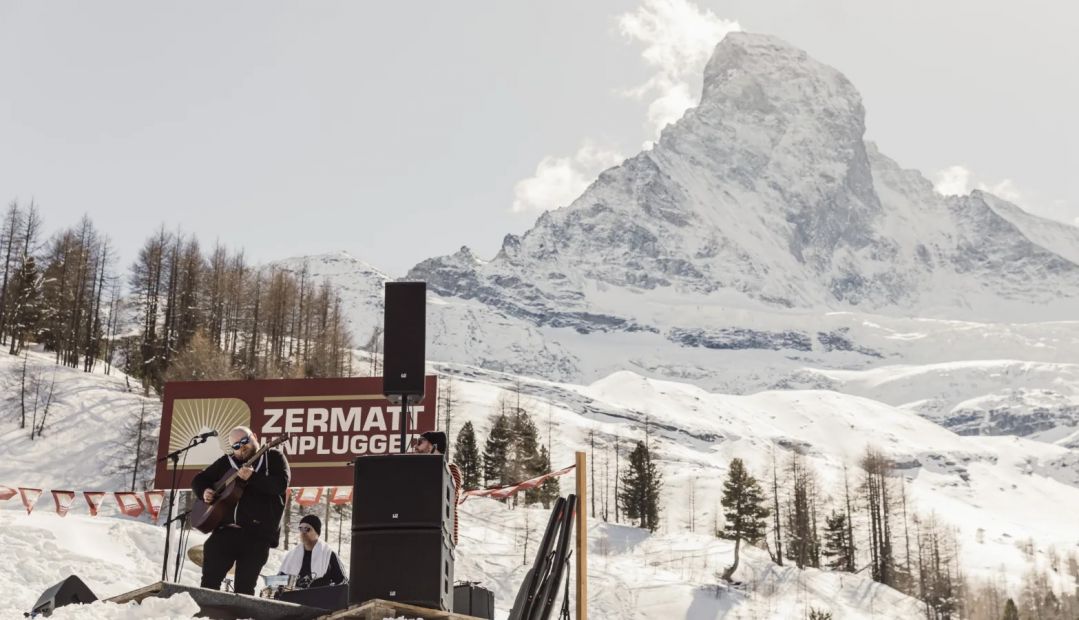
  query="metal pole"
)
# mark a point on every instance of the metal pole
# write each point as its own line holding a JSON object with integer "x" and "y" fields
{"x": 582, "y": 539}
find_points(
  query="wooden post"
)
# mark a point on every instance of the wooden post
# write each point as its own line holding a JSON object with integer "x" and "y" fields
{"x": 582, "y": 539}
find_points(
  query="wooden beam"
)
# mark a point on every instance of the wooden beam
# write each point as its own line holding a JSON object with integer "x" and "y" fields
{"x": 582, "y": 539}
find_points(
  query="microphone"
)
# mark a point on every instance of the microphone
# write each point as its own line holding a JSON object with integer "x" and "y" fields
{"x": 205, "y": 436}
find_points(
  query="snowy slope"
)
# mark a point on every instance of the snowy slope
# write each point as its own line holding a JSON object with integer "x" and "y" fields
{"x": 1001, "y": 486}
{"x": 1011, "y": 489}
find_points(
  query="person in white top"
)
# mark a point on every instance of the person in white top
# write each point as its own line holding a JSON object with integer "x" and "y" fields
{"x": 312, "y": 561}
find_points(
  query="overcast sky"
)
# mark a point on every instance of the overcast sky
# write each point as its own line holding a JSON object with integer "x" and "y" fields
{"x": 399, "y": 130}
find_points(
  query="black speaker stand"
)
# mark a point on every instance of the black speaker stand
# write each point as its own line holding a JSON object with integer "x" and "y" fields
{"x": 404, "y": 422}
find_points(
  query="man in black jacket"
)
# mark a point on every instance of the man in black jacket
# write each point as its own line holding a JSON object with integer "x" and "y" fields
{"x": 247, "y": 533}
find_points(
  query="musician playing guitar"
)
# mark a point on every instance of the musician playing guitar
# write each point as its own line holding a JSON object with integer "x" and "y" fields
{"x": 245, "y": 533}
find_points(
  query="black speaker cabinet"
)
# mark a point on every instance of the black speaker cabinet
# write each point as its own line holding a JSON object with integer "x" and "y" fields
{"x": 330, "y": 598}
{"x": 407, "y": 566}
{"x": 68, "y": 592}
{"x": 402, "y": 491}
{"x": 472, "y": 600}
{"x": 404, "y": 333}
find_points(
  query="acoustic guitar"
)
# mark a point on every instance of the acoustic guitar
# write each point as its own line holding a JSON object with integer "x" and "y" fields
{"x": 227, "y": 493}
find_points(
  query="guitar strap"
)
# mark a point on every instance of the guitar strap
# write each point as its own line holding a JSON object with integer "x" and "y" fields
{"x": 262, "y": 459}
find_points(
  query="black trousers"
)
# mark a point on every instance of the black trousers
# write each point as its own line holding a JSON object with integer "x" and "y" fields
{"x": 228, "y": 545}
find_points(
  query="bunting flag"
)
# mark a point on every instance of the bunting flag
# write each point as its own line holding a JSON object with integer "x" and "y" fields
{"x": 151, "y": 502}
{"x": 130, "y": 504}
{"x": 63, "y": 500}
{"x": 93, "y": 500}
{"x": 309, "y": 496}
{"x": 509, "y": 490}
{"x": 154, "y": 500}
{"x": 29, "y": 496}
{"x": 341, "y": 495}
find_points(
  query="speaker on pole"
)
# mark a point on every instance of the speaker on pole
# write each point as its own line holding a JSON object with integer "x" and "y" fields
{"x": 404, "y": 334}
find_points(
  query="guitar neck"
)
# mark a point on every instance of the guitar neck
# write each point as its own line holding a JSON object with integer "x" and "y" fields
{"x": 254, "y": 458}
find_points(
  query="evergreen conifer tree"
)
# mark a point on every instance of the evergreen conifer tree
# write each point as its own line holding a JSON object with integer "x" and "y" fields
{"x": 496, "y": 452}
{"x": 743, "y": 503}
{"x": 641, "y": 482}
{"x": 548, "y": 491}
{"x": 1011, "y": 612}
{"x": 524, "y": 460}
{"x": 467, "y": 458}
{"x": 836, "y": 545}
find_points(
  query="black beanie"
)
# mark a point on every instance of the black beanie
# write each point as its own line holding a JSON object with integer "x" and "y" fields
{"x": 437, "y": 439}
{"x": 314, "y": 522}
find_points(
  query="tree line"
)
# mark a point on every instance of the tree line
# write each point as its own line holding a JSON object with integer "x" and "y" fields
{"x": 186, "y": 313}
{"x": 869, "y": 526}
{"x": 513, "y": 452}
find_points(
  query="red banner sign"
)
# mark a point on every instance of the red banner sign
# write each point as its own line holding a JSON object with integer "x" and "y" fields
{"x": 330, "y": 422}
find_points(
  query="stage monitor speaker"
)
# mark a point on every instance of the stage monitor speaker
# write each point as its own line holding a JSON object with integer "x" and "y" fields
{"x": 402, "y": 491}
{"x": 472, "y": 600}
{"x": 331, "y": 598}
{"x": 70, "y": 591}
{"x": 404, "y": 333}
{"x": 405, "y": 566}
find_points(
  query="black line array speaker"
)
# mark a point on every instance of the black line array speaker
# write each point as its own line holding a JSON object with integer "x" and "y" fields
{"x": 404, "y": 334}
{"x": 472, "y": 600}
{"x": 70, "y": 591}
{"x": 402, "y": 491}
{"x": 408, "y": 566}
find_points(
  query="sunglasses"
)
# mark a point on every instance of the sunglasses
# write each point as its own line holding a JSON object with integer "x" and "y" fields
{"x": 305, "y": 529}
{"x": 243, "y": 442}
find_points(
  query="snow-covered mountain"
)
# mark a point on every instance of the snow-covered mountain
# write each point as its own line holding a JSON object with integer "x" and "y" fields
{"x": 760, "y": 222}
{"x": 766, "y": 196}
{"x": 760, "y": 240}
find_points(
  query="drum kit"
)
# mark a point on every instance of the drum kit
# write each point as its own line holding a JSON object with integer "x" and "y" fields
{"x": 274, "y": 584}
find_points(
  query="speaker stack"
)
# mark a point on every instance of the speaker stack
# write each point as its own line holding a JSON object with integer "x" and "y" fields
{"x": 402, "y": 531}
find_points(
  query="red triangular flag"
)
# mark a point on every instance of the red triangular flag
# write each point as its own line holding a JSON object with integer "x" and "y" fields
{"x": 63, "y": 500}
{"x": 93, "y": 500}
{"x": 29, "y": 496}
{"x": 341, "y": 495}
{"x": 309, "y": 496}
{"x": 7, "y": 492}
{"x": 129, "y": 503}
{"x": 154, "y": 500}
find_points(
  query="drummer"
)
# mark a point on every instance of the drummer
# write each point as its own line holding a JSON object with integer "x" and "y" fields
{"x": 312, "y": 561}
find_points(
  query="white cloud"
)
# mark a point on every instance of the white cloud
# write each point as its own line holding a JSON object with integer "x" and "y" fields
{"x": 678, "y": 39}
{"x": 959, "y": 181}
{"x": 560, "y": 180}
{"x": 952, "y": 181}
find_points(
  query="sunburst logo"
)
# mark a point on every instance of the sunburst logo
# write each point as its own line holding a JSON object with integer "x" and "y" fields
{"x": 194, "y": 416}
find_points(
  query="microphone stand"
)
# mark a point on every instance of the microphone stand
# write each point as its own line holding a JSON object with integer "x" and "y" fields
{"x": 180, "y": 543}
{"x": 175, "y": 458}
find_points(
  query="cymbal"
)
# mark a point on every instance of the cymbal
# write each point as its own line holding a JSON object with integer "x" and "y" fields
{"x": 197, "y": 555}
